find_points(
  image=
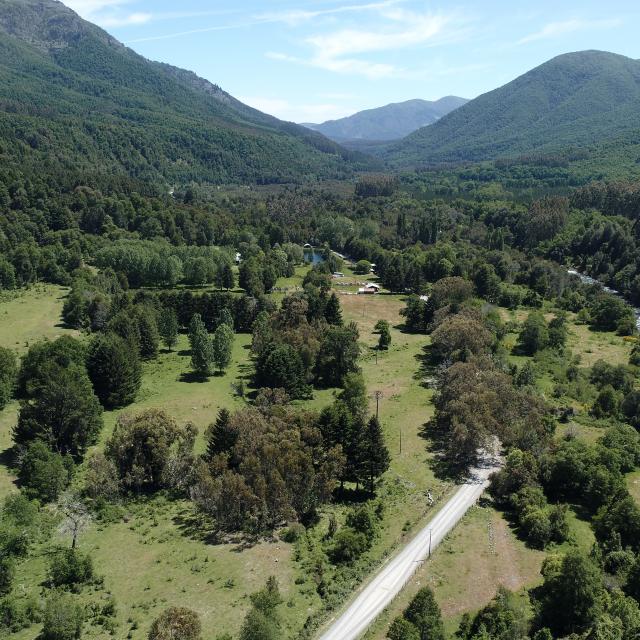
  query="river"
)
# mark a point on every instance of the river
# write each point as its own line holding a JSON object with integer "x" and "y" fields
{"x": 589, "y": 280}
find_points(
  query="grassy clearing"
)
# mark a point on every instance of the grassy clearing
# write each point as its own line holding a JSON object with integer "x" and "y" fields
{"x": 26, "y": 316}
{"x": 478, "y": 556}
{"x": 633, "y": 482}
{"x": 161, "y": 559}
{"x": 30, "y": 315}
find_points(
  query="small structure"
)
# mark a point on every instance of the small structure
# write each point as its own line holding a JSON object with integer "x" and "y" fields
{"x": 370, "y": 288}
{"x": 238, "y": 257}
{"x": 424, "y": 298}
{"x": 338, "y": 274}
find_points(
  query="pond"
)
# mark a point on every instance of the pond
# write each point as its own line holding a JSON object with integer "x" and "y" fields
{"x": 313, "y": 256}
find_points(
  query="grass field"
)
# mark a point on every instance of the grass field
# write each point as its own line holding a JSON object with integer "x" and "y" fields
{"x": 633, "y": 482}
{"x": 153, "y": 556}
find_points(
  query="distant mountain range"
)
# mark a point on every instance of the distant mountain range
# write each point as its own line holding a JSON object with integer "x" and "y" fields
{"x": 391, "y": 122}
{"x": 73, "y": 98}
{"x": 575, "y": 101}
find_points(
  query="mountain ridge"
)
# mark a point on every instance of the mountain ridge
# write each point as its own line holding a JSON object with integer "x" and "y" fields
{"x": 574, "y": 100}
{"x": 389, "y": 122}
{"x": 72, "y": 95}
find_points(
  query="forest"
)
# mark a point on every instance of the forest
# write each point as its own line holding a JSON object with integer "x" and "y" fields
{"x": 297, "y": 453}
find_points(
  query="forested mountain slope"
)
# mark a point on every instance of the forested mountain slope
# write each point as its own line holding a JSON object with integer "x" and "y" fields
{"x": 391, "y": 122}
{"x": 74, "y": 98}
{"x": 577, "y": 100}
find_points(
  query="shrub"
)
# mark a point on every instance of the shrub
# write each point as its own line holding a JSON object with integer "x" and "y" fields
{"x": 43, "y": 473}
{"x": 293, "y": 533}
{"x": 348, "y": 546}
{"x": 63, "y": 618}
{"x": 176, "y": 623}
{"x": 69, "y": 568}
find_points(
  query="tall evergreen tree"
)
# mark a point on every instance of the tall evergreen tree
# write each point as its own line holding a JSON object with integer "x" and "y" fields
{"x": 149, "y": 336}
{"x": 385, "y": 338}
{"x": 221, "y": 437}
{"x": 168, "y": 327}
{"x": 332, "y": 311}
{"x": 222, "y": 346}
{"x": 8, "y": 376}
{"x": 225, "y": 278}
{"x": 66, "y": 414}
{"x": 201, "y": 347}
{"x": 375, "y": 455}
{"x": 114, "y": 370}
{"x": 424, "y": 613}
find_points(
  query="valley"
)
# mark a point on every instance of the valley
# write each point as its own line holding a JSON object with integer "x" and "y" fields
{"x": 250, "y": 368}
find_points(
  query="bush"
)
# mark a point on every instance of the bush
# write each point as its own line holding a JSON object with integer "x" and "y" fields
{"x": 7, "y": 572}
{"x": 176, "y": 623}
{"x": 44, "y": 474}
{"x": 18, "y": 612}
{"x": 69, "y": 568}
{"x": 293, "y": 533}
{"x": 8, "y": 374}
{"x": 348, "y": 546}
{"x": 362, "y": 268}
{"x": 63, "y": 618}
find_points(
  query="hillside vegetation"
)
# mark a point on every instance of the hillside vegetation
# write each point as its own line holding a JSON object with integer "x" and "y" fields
{"x": 574, "y": 101}
{"x": 74, "y": 98}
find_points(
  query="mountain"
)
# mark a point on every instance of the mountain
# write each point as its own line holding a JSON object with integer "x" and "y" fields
{"x": 74, "y": 99}
{"x": 575, "y": 101}
{"x": 392, "y": 122}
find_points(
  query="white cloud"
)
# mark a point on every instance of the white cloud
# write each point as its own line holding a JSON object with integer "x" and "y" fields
{"x": 286, "y": 110}
{"x": 344, "y": 50}
{"x": 125, "y": 21}
{"x": 556, "y": 29}
{"x": 296, "y": 16}
{"x": 111, "y": 13}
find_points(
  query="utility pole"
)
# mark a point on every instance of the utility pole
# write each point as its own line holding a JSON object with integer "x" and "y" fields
{"x": 377, "y": 395}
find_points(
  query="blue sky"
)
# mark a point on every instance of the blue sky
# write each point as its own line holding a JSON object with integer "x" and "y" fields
{"x": 312, "y": 60}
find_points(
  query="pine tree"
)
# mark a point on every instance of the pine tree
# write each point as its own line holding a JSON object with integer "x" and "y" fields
{"x": 225, "y": 317}
{"x": 201, "y": 347}
{"x": 332, "y": 312}
{"x": 221, "y": 438}
{"x": 385, "y": 339}
{"x": 375, "y": 456}
{"x": 168, "y": 327}
{"x": 149, "y": 336}
{"x": 222, "y": 346}
{"x": 424, "y": 613}
{"x": 114, "y": 370}
{"x": 225, "y": 279}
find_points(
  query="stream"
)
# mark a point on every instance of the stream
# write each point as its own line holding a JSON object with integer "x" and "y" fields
{"x": 589, "y": 280}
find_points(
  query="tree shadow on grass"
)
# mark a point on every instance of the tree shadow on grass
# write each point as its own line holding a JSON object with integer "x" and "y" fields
{"x": 193, "y": 377}
{"x": 199, "y": 527}
{"x": 184, "y": 353}
{"x": 443, "y": 467}
{"x": 351, "y": 495}
{"x": 427, "y": 368}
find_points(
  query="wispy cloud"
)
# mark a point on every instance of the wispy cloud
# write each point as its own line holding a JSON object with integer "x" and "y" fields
{"x": 114, "y": 13}
{"x": 556, "y": 29}
{"x": 125, "y": 20}
{"x": 296, "y": 16}
{"x": 345, "y": 50}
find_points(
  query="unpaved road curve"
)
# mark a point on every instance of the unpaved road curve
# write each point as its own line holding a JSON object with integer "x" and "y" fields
{"x": 393, "y": 576}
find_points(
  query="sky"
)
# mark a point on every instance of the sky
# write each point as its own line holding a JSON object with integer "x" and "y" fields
{"x": 315, "y": 60}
